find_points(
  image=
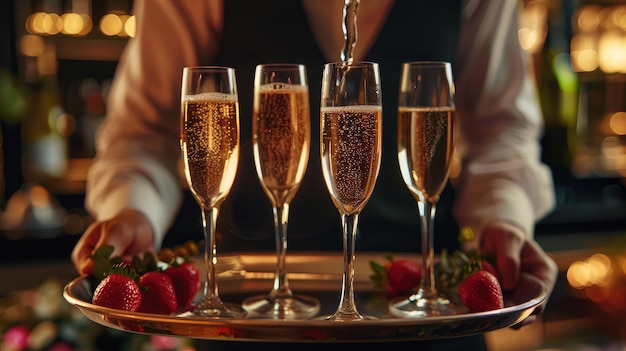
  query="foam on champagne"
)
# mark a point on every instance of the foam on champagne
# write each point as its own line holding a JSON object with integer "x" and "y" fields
{"x": 214, "y": 97}
{"x": 283, "y": 87}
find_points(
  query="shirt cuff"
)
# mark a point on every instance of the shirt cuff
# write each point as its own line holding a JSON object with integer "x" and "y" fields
{"x": 158, "y": 196}
{"x": 505, "y": 200}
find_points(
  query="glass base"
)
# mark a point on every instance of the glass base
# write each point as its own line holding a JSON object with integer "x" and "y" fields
{"x": 213, "y": 309}
{"x": 288, "y": 307}
{"x": 346, "y": 317}
{"x": 422, "y": 304}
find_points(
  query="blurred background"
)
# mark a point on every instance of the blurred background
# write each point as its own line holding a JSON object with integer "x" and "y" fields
{"x": 57, "y": 60}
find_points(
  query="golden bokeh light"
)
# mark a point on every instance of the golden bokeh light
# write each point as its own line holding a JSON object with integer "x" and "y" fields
{"x": 588, "y": 18}
{"x": 73, "y": 23}
{"x": 80, "y": 24}
{"x": 583, "y": 52}
{"x": 594, "y": 271}
{"x": 617, "y": 123}
{"x": 35, "y": 23}
{"x": 600, "y": 267}
{"x": 599, "y": 40}
{"x": 111, "y": 24}
{"x": 52, "y": 24}
{"x": 612, "y": 52}
{"x": 600, "y": 279}
{"x": 618, "y": 16}
{"x": 32, "y": 45}
{"x": 88, "y": 25}
{"x": 44, "y": 23}
{"x": 578, "y": 275}
{"x": 533, "y": 27}
{"x": 131, "y": 26}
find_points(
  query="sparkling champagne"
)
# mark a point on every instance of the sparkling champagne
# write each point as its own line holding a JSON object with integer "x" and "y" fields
{"x": 210, "y": 144}
{"x": 282, "y": 135}
{"x": 425, "y": 149}
{"x": 351, "y": 152}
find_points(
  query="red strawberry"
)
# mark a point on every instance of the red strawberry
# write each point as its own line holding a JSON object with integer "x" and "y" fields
{"x": 403, "y": 275}
{"x": 186, "y": 280}
{"x": 118, "y": 290}
{"x": 487, "y": 266}
{"x": 396, "y": 276}
{"x": 481, "y": 291}
{"x": 158, "y": 294}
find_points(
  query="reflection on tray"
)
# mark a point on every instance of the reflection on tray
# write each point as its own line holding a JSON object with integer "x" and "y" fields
{"x": 318, "y": 275}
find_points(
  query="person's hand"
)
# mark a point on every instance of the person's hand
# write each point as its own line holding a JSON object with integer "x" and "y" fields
{"x": 518, "y": 258}
{"x": 129, "y": 233}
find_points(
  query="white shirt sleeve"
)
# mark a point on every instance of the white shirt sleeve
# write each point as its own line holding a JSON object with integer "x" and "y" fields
{"x": 138, "y": 143}
{"x": 500, "y": 123}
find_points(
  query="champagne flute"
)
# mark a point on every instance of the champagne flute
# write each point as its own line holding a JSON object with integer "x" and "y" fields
{"x": 210, "y": 147}
{"x": 351, "y": 133}
{"x": 425, "y": 148}
{"x": 281, "y": 127}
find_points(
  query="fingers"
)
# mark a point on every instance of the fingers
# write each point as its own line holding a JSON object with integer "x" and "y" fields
{"x": 99, "y": 234}
{"x": 515, "y": 254}
{"x": 537, "y": 263}
{"x": 504, "y": 242}
{"x": 518, "y": 258}
{"x": 128, "y": 233}
{"x": 118, "y": 234}
{"x": 84, "y": 248}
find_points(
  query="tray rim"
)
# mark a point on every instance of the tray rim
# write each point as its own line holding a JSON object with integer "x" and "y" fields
{"x": 99, "y": 314}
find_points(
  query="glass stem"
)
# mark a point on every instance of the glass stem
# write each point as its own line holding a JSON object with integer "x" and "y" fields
{"x": 209, "y": 217}
{"x": 427, "y": 215}
{"x": 281, "y": 283}
{"x": 347, "y": 308}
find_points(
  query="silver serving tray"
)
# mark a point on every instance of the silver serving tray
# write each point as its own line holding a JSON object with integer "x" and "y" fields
{"x": 315, "y": 274}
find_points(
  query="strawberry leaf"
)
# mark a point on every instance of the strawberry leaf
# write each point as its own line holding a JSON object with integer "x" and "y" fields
{"x": 138, "y": 264}
{"x": 100, "y": 268}
{"x": 472, "y": 267}
{"x": 101, "y": 261}
{"x": 150, "y": 261}
{"x": 125, "y": 270}
{"x": 104, "y": 251}
{"x": 378, "y": 276}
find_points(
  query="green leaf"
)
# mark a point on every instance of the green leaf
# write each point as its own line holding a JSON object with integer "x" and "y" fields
{"x": 138, "y": 264}
{"x": 379, "y": 273}
{"x": 150, "y": 261}
{"x": 125, "y": 270}
{"x": 103, "y": 251}
{"x": 101, "y": 268}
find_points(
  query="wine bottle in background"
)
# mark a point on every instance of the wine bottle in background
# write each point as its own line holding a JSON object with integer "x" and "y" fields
{"x": 46, "y": 125}
{"x": 558, "y": 93}
{"x": 12, "y": 108}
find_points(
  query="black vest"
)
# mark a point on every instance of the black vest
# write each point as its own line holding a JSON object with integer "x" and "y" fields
{"x": 277, "y": 31}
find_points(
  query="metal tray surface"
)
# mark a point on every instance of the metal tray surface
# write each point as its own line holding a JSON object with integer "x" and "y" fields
{"x": 314, "y": 274}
